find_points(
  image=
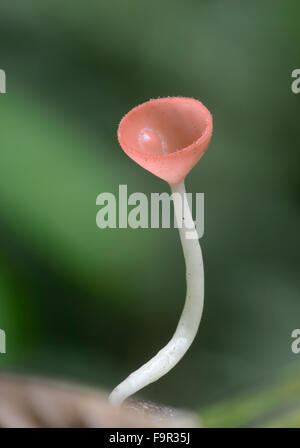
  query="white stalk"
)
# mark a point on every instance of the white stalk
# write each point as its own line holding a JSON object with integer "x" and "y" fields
{"x": 190, "y": 318}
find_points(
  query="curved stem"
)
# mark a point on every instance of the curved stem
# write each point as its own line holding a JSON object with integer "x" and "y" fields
{"x": 190, "y": 318}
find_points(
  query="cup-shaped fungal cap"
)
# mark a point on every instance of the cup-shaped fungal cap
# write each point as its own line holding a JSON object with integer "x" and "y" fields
{"x": 166, "y": 136}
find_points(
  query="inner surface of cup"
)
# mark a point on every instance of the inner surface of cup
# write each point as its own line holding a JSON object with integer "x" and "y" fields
{"x": 163, "y": 126}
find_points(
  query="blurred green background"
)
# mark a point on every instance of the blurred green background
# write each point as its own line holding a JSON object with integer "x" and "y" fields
{"x": 92, "y": 305}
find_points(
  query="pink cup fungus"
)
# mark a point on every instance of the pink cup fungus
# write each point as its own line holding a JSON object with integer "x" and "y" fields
{"x": 168, "y": 136}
